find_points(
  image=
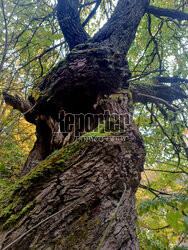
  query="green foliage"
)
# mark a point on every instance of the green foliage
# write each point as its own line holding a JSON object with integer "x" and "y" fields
{"x": 161, "y": 47}
{"x": 162, "y": 204}
{"x": 15, "y": 142}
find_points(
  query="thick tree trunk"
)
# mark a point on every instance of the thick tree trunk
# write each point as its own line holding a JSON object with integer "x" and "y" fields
{"x": 83, "y": 196}
{"x": 75, "y": 86}
{"x": 88, "y": 73}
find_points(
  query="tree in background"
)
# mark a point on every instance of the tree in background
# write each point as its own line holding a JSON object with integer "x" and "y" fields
{"x": 82, "y": 195}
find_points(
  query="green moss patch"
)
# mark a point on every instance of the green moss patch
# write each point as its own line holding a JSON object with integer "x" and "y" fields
{"x": 81, "y": 230}
{"x": 18, "y": 199}
{"x": 105, "y": 129}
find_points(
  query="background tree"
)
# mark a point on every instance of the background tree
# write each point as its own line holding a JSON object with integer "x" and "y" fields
{"x": 93, "y": 207}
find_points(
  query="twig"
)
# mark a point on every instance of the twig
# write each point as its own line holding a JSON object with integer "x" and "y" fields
{"x": 112, "y": 219}
{"x": 34, "y": 227}
{"x": 164, "y": 171}
{"x": 154, "y": 191}
{"x": 6, "y": 36}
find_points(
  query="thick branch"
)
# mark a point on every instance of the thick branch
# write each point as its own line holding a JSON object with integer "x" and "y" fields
{"x": 69, "y": 21}
{"x": 170, "y": 79}
{"x": 175, "y": 14}
{"x": 17, "y": 103}
{"x": 156, "y": 93}
{"x": 68, "y": 83}
{"x": 120, "y": 29}
{"x": 21, "y": 105}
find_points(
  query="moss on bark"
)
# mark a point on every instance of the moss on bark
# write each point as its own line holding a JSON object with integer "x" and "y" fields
{"x": 81, "y": 230}
{"x": 18, "y": 199}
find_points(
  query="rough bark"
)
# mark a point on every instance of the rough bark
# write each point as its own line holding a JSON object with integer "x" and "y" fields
{"x": 75, "y": 86}
{"x": 49, "y": 138}
{"x": 90, "y": 72}
{"x": 121, "y": 28}
{"x": 85, "y": 188}
{"x": 69, "y": 21}
{"x": 174, "y": 14}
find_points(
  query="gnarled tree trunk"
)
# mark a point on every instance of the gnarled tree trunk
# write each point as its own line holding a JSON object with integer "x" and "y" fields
{"x": 84, "y": 200}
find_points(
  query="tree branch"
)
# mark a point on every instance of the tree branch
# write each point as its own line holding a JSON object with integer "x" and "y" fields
{"x": 86, "y": 4}
{"x": 92, "y": 13}
{"x": 120, "y": 29}
{"x": 159, "y": 228}
{"x": 175, "y": 14}
{"x": 156, "y": 192}
{"x": 157, "y": 93}
{"x": 164, "y": 171}
{"x": 21, "y": 105}
{"x": 154, "y": 99}
{"x": 174, "y": 79}
{"x": 17, "y": 103}
{"x": 41, "y": 55}
{"x": 69, "y": 21}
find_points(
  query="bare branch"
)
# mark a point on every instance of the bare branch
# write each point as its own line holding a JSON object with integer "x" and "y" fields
{"x": 157, "y": 100}
{"x": 41, "y": 55}
{"x": 164, "y": 171}
{"x": 159, "y": 228}
{"x": 156, "y": 192}
{"x": 86, "y": 4}
{"x": 6, "y": 37}
{"x": 175, "y": 14}
{"x": 171, "y": 139}
{"x": 92, "y": 13}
